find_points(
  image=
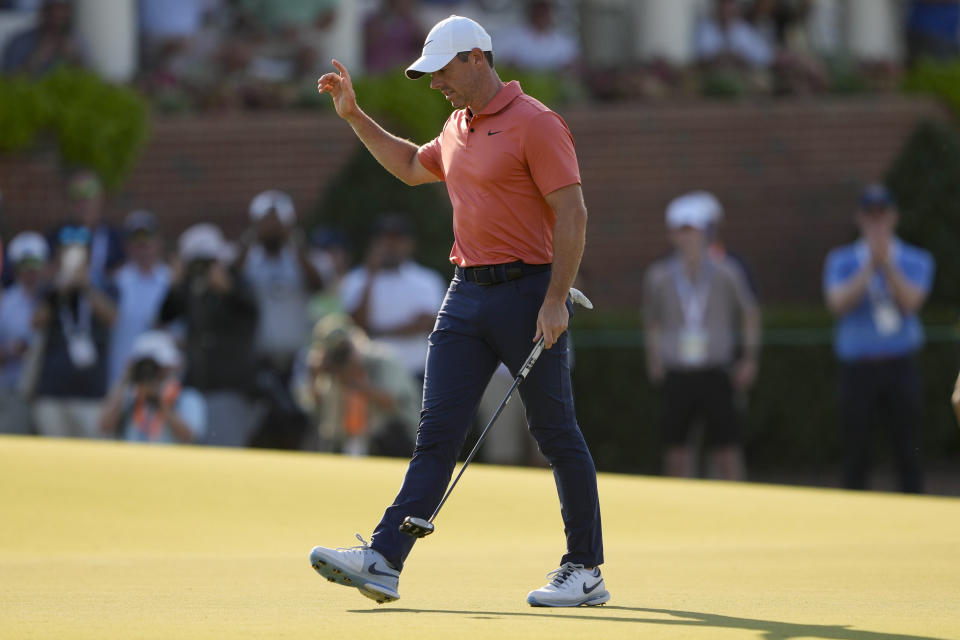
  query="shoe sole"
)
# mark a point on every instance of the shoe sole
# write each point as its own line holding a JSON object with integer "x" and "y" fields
{"x": 596, "y": 601}
{"x": 379, "y": 593}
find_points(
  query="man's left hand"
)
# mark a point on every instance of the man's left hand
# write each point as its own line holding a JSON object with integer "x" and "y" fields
{"x": 552, "y": 321}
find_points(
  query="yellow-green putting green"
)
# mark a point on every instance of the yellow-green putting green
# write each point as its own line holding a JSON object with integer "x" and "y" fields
{"x": 109, "y": 540}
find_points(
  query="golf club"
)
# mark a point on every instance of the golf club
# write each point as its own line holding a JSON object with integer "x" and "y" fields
{"x": 419, "y": 527}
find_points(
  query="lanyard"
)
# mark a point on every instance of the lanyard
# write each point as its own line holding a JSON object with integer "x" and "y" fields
{"x": 83, "y": 323}
{"x": 693, "y": 297}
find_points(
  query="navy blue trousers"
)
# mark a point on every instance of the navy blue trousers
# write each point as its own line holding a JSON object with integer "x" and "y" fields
{"x": 477, "y": 327}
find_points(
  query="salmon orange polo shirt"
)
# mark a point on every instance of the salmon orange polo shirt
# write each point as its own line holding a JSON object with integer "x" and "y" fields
{"x": 498, "y": 165}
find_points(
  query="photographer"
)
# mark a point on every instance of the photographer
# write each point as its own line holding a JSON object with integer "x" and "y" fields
{"x": 148, "y": 404}
{"x": 364, "y": 400}
{"x": 217, "y": 311}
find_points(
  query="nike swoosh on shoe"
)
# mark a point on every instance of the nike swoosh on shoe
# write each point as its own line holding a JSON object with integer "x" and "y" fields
{"x": 589, "y": 589}
{"x": 373, "y": 569}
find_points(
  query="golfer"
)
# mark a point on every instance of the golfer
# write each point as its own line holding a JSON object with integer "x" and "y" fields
{"x": 519, "y": 223}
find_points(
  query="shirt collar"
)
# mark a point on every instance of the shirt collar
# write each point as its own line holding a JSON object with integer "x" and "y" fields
{"x": 505, "y": 96}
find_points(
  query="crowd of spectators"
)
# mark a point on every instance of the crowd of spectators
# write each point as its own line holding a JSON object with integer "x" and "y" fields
{"x": 274, "y": 339}
{"x": 271, "y": 339}
{"x": 249, "y": 54}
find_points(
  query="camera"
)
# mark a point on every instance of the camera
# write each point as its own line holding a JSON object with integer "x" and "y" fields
{"x": 145, "y": 370}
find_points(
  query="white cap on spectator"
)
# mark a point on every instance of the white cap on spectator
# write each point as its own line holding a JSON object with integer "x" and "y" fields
{"x": 691, "y": 210}
{"x": 276, "y": 201}
{"x": 26, "y": 245}
{"x": 157, "y": 346}
{"x": 449, "y": 37}
{"x": 204, "y": 241}
{"x": 711, "y": 206}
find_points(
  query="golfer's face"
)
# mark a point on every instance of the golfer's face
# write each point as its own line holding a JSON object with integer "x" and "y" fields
{"x": 455, "y": 81}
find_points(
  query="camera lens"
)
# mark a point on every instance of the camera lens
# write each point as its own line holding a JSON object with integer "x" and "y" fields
{"x": 145, "y": 370}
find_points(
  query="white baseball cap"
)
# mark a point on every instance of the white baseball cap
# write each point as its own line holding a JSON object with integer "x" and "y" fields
{"x": 691, "y": 210}
{"x": 26, "y": 245}
{"x": 273, "y": 200}
{"x": 204, "y": 241}
{"x": 449, "y": 37}
{"x": 157, "y": 346}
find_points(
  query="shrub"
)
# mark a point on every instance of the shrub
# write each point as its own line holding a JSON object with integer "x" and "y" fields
{"x": 94, "y": 123}
{"x": 925, "y": 178}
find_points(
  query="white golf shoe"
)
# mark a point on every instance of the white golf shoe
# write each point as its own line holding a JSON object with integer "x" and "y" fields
{"x": 359, "y": 567}
{"x": 571, "y": 586}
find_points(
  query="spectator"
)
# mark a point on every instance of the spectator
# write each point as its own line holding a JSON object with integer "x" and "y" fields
{"x": 933, "y": 29}
{"x": 219, "y": 318}
{"x": 330, "y": 254}
{"x": 280, "y": 43}
{"x": 691, "y": 306}
{"x": 391, "y": 297}
{"x": 171, "y": 24}
{"x": 142, "y": 284}
{"x": 784, "y": 22}
{"x": 727, "y": 40}
{"x": 391, "y": 32}
{"x": 364, "y": 400}
{"x": 28, "y": 254}
{"x": 716, "y": 246}
{"x": 875, "y": 289}
{"x": 105, "y": 248}
{"x": 274, "y": 260}
{"x": 148, "y": 404}
{"x": 51, "y": 43}
{"x": 75, "y": 316}
{"x": 538, "y": 44}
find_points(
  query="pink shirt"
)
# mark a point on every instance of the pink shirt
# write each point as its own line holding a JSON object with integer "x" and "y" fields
{"x": 498, "y": 165}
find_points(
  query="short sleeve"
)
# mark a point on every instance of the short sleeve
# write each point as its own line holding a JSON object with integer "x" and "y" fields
{"x": 550, "y": 154}
{"x": 919, "y": 269}
{"x": 649, "y": 309}
{"x": 430, "y": 157}
{"x": 192, "y": 409}
{"x": 837, "y": 269}
{"x": 351, "y": 289}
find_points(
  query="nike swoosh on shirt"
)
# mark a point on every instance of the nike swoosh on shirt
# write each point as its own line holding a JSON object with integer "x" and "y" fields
{"x": 373, "y": 569}
{"x": 493, "y": 133}
{"x": 589, "y": 589}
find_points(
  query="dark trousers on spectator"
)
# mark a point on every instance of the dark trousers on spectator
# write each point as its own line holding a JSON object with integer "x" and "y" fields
{"x": 882, "y": 391}
{"x": 477, "y": 327}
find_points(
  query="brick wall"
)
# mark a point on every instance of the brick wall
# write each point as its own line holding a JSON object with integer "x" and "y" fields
{"x": 788, "y": 174}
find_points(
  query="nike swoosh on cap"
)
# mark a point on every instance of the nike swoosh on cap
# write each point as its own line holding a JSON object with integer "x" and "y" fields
{"x": 589, "y": 589}
{"x": 373, "y": 569}
{"x": 427, "y": 42}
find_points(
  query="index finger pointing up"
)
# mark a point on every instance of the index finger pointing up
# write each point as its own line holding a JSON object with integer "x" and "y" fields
{"x": 342, "y": 69}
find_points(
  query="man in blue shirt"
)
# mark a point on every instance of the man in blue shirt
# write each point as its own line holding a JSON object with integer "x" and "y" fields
{"x": 875, "y": 288}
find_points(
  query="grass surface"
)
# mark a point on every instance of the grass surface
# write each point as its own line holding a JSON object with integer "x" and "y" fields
{"x": 110, "y": 540}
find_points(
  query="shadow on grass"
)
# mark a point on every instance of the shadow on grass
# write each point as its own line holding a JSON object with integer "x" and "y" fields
{"x": 769, "y": 629}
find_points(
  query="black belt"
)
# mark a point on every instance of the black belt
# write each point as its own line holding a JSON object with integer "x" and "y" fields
{"x": 498, "y": 273}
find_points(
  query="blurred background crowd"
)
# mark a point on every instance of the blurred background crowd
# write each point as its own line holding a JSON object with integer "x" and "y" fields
{"x": 287, "y": 320}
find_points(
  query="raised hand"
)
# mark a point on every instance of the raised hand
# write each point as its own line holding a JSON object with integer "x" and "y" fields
{"x": 340, "y": 88}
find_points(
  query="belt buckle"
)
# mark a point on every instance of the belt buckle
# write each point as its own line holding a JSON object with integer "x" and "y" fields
{"x": 484, "y": 276}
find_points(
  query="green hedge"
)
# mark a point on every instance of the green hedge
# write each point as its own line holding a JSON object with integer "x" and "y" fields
{"x": 791, "y": 423}
{"x": 937, "y": 78}
{"x": 93, "y": 123}
{"x": 925, "y": 178}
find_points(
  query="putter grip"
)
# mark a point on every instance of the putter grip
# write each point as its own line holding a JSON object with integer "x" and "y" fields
{"x": 531, "y": 359}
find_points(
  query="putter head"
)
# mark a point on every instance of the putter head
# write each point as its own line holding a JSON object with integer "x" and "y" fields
{"x": 416, "y": 527}
{"x": 579, "y": 298}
